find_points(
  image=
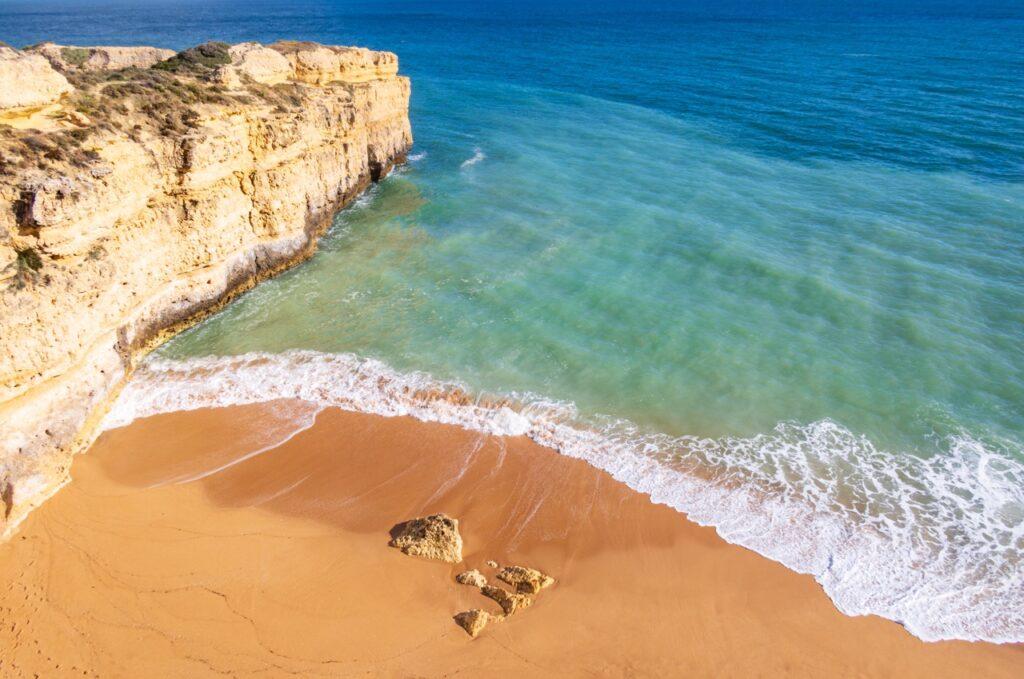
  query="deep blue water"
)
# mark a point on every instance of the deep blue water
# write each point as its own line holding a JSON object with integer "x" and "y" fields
{"x": 780, "y": 242}
{"x": 929, "y": 85}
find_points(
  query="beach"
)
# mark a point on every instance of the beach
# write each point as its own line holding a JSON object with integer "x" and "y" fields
{"x": 184, "y": 548}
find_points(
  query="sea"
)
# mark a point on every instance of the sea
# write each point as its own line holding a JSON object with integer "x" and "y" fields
{"x": 761, "y": 260}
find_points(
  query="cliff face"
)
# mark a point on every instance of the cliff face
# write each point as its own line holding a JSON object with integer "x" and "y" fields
{"x": 153, "y": 196}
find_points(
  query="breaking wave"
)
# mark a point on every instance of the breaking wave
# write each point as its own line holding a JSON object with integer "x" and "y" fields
{"x": 934, "y": 543}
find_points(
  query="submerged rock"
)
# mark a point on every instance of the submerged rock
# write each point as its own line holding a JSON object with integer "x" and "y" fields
{"x": 509, "y": 601}
{"x": 473, "y": 577}
{"x": 432, "y": 537}
{"x": 474, "y": 621}
{"x": 525, "y": 580}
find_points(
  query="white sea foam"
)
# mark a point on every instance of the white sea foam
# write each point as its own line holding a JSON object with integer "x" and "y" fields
{"x": 934, "y": 543}
{"x": 417, "y": 157}
{"x": 478, "y": 155}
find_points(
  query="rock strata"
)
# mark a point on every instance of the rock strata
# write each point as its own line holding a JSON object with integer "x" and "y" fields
{"x": 165, "y": 195}
{"x": 431, "y": 537}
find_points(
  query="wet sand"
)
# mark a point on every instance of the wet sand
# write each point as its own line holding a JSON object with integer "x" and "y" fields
{"x": 148, "y": 565}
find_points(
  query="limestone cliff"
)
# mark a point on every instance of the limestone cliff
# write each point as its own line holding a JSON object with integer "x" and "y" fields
{"x": 146, "y": 196}
{"x": 27, "y": 81}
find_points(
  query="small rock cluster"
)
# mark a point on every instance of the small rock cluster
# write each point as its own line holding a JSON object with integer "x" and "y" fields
{"x": 437, "y": 537}
{"x": 525, "y": 583}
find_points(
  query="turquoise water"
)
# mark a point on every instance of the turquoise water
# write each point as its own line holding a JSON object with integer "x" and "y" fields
{"x": 772, "y": 259}
{"x": 627, "y": 261}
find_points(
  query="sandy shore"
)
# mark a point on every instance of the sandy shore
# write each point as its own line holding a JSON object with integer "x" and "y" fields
{"x": 148, "y": 565}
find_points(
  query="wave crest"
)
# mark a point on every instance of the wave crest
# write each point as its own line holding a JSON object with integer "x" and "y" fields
{"x": 935, "y": 543}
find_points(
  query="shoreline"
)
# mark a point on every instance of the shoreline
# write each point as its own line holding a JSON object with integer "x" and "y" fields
{"x": 727, "y": 484}
{"x": 177, "y": 556}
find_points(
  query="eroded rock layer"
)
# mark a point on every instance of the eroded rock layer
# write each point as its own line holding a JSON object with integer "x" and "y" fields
{"x": 151, "y": 196}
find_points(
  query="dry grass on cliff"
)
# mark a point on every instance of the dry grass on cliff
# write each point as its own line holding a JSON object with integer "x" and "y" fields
{"x": 133, "y": 98}
{"x": 284, "y": 97}
{"x": 25, "y": 149}
{"x": 164, "y": 100}
{"x": 132, "y": 102}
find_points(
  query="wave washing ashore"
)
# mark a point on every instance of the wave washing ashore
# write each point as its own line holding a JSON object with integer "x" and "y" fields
{"x": 885, "y": 534}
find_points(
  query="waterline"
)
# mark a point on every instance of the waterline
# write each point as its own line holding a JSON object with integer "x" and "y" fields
{"x": 934, "y": 543}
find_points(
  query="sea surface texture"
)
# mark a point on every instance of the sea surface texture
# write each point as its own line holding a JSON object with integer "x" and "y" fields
{"x": 763, "y": 260}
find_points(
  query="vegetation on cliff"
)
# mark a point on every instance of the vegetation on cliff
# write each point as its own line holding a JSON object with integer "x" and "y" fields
{"x": 163, "y": 98}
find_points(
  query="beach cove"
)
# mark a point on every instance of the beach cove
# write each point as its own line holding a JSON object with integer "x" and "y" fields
{"x": 709, "y": 313}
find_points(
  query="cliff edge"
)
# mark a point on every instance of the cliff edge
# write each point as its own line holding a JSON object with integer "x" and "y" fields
{"x": 141, "y": 189}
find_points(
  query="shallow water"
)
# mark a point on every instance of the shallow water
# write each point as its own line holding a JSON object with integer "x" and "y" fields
{"x": 767, "y": 265}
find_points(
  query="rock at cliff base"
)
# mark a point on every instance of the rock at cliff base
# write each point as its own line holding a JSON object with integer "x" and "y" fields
{"x": 432, "y": 537}
{"x": 509, "y": 602}
{"x": 474, "y": 621}
{"x": 525, "y": 580}
{"x": 473, "y": 577}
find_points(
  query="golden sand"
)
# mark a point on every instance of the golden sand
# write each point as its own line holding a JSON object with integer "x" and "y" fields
{"x": 279, "y": 565}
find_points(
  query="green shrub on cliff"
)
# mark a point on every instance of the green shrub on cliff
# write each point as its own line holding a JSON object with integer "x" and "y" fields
{"x": 197, "y": 59}
{"x": 28, "y": 259}
{"x": 74, "y": 56}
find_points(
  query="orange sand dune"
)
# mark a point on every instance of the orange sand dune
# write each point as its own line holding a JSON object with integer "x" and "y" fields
{"x": 279, "y": 565}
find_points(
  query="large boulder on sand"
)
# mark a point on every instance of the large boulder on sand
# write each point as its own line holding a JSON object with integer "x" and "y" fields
{"x": 103, "y": 58}
{"x": 28, "y": 81}
{"x": 432, "y": 537}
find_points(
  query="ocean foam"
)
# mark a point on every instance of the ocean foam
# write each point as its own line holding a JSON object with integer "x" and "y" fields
{"x": 934, "y": 543}
{"x": 478, "y": 155}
